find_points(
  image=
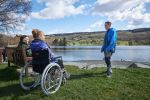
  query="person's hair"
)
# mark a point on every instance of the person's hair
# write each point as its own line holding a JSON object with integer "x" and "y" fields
{"x": 22, "y": 37}
{"x": 108, "y": 22}
{"x": 37, "y": 34}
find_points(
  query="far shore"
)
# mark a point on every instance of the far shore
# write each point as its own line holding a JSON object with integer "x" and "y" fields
{"x": 88, "y": 64}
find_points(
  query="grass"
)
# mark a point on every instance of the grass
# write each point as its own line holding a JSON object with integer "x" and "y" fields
{"x": 125, "y": 84}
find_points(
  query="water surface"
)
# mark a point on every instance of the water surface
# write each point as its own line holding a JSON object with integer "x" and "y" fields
{"x": 127, "y": 53}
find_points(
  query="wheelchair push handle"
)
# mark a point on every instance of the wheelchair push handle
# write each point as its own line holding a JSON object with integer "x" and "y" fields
{"x": 58, "y": 57}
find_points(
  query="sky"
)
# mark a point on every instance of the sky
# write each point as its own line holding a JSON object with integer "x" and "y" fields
{"x": 67, "y": 16}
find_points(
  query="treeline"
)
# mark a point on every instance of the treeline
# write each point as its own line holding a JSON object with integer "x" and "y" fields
{"x": 8, "y": 40}
{"x": 125, "y": 37}
{"x": 59, "y": 42}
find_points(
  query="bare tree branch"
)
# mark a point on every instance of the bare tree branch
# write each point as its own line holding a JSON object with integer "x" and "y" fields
{"x": 12, "y": 12}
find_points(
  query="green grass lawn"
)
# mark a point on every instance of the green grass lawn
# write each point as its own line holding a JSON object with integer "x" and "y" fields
{"x": 125, "y": 84}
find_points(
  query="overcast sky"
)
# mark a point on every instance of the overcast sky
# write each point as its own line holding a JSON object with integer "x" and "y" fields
{"x": 63, "y": 16}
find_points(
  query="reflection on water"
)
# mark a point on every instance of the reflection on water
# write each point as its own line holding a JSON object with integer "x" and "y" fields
{"x": 127, "y": 53}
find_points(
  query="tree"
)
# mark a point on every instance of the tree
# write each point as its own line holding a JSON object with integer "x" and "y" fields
{"x": 55, "y": 42}
{"x": 13, "y": 13}
{"x": 60, "y": 42}
{"x": 130, "y": 43}
{"x": 64, "y": 41}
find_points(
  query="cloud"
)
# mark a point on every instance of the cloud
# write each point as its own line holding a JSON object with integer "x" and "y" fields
{"x": 92, "y": 27}
{"x": 56, "y": 9}
{"x": 132, "y": 11}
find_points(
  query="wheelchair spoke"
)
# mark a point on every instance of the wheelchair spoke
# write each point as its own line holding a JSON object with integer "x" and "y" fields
{"x": 57, "y": 80}
{"x": 52, "y": 81}
{"x": 49, "y": 79}
{"x": 52, "y": 86}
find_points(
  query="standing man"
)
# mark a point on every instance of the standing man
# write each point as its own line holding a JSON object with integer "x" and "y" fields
{"x": 109, "y": 46}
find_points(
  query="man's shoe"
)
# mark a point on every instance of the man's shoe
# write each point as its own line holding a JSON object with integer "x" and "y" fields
{"x": 109, "y": 76}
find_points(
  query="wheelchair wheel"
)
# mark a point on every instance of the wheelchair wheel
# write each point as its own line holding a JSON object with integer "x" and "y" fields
{"x": 31, "y": 80}
{"x": 51, "y": 79}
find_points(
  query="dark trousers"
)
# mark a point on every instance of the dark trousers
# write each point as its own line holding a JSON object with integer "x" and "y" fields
{"x": 108, "y": 62}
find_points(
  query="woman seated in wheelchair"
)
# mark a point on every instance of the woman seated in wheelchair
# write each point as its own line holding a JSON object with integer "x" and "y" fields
{"x": 41, "y": 53}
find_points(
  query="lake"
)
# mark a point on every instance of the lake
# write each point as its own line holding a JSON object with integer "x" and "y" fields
{"x": 127, "y": 53}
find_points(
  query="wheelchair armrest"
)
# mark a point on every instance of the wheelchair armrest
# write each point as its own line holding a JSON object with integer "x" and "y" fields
{"x": 59, "y": 57}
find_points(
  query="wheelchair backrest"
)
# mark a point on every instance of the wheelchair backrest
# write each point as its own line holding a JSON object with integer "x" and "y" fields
{"x": 40, "y": 57}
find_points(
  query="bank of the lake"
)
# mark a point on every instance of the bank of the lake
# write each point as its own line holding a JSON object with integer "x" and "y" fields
{"x": 90, "y": 64}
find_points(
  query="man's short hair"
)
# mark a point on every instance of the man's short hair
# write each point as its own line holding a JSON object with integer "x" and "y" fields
{"x": 108, "y": 22}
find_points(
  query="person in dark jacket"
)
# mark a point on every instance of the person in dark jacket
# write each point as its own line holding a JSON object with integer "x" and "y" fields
{"x": 24, "y": 43}
{"x": 109, "y": 46}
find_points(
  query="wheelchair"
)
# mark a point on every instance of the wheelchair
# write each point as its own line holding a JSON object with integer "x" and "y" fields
{"x": 41, "y": 72}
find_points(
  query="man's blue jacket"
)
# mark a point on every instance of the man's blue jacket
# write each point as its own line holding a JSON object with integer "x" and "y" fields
{"x": 110, "y": 39}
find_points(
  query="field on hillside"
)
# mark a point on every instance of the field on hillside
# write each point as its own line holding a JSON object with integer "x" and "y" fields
{"x": 125, "y": 37}
{"x": 96, "y": 38}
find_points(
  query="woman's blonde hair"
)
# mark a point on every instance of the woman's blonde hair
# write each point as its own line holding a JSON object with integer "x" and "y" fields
{"x": 37, "y": 34}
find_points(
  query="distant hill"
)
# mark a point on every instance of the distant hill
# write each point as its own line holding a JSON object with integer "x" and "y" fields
{"x": 140, "y": 36}
{"x": 75, "y": 33}
{"x": 133, "y": 31}
{"x": 140, "y": 30}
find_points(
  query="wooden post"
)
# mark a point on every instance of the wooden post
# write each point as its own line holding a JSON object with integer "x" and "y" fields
{"x": 1, "y": 57}
{"x": 8, "y": 63}
{"x": 26, "y": 71}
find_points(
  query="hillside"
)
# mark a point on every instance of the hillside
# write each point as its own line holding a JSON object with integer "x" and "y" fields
{"x": 140, "y": 36}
